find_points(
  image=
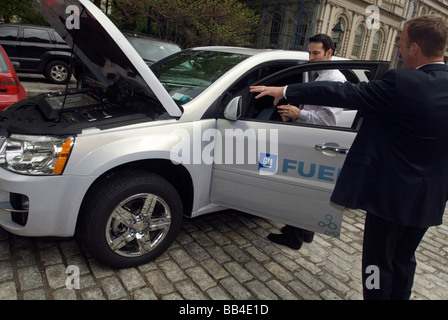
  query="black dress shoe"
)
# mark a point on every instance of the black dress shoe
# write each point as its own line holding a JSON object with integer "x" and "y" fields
{"x": 283, "y": 240}
{"x": 308, "y": 236}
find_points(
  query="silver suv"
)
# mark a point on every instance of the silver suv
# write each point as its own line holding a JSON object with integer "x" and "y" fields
{"x": 120, "y": 164}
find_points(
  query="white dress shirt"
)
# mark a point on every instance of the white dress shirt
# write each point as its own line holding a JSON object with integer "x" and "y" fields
{"x": 322, "y": 115}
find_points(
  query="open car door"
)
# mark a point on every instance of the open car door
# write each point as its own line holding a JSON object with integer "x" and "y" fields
{"x": 284, "y": 171}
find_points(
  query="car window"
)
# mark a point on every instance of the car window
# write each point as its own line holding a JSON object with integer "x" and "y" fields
{"x": 189, "y": 73}
{"x": 9, "y": 33}
{"x": 350, "y": 76}
{"x": 58, "y": 38}
{"x": 241, "y": 87}
{"x": 36, "y": 35}
{"x": 263, "y": 110}
{"x": 4, "y": 68}
{"x": 152, "y": 51}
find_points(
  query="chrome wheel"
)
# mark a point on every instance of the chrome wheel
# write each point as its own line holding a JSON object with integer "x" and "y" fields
{"x": 129, "y": 218}
{"x": 138, "y": 225}
{"x": 59, "y": 73}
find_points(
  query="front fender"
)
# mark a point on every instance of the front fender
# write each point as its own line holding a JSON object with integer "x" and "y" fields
{"x": 92, "y": 155}
{"x": 97, "y": 152}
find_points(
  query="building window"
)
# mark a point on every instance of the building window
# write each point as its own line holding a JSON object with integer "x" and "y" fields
{"x": 301, "y": 32}
{"x": 275, "y": 29}
{"x": 376, "y": 46}
{"x": 357, "y": 44}
{"x": 411, "y": 10}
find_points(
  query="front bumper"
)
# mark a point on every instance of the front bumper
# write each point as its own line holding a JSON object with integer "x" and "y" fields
{"x": 53, "y": 203}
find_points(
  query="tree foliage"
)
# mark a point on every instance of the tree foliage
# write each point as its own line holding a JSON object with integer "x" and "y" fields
{"x": 189, "y": 22}
{"x": 21, "y": 11}
{"x": 186, "y": 22}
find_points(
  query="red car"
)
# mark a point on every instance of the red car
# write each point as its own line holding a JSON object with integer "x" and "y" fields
{"x": 11, "y": 90}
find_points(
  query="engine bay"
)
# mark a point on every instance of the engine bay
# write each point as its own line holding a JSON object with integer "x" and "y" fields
{"x": 72, "y": 111}
{"x": 117, "y": 88}
{"x": 75, "y": 107}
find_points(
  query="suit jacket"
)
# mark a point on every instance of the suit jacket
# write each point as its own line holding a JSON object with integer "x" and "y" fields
{"x": 397, "y": 167}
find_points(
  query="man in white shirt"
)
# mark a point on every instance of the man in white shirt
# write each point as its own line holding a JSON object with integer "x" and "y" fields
{"x": 320, "y": 48}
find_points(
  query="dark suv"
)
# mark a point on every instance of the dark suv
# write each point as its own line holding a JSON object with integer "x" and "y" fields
{"x": 37, "y": 49}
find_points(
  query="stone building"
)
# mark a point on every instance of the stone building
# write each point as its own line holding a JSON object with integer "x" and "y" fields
{"x": 371, "y": 28}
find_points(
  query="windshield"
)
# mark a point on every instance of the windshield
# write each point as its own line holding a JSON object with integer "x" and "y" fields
{"x": 152, "y": 51}
{"x": 189, "y": 73}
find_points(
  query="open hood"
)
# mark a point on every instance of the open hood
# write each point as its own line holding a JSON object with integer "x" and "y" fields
{"x": 102, "y": 47}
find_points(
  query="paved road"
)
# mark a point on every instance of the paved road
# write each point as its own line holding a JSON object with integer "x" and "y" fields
{"x": 220, "y": 256}
{"x": 35, "y": 84}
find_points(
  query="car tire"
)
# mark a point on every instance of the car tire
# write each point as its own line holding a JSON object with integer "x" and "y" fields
{"x": 130, "y": 219}
{"x": 58, "y": 72}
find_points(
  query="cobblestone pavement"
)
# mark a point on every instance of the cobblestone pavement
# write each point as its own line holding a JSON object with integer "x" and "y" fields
{"x": 219, "y": 256}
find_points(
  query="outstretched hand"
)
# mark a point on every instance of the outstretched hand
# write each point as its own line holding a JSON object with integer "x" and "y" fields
{"x": 276, "y": 92}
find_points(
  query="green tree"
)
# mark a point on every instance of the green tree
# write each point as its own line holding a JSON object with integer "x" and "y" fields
{"x": 20, "y": 11}
{"x": 189, "y": 22}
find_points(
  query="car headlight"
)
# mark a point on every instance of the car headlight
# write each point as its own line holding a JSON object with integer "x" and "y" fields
{"x": 35, "y": 155}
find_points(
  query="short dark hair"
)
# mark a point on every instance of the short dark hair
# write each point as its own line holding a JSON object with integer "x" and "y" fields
{"x": 326, "y": 41}
{"x": 430, "y": 32}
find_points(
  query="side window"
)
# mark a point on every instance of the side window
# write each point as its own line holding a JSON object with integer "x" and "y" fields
{"x": 262, "y": 109}
{"x": 325, "y": 117}
{"x": 9, "y": 33}
{"x": 241, "y": 87}
{"x": 350, "y": 75}
{"x": 58, "y": 38}
{"x": 36, "y": 35}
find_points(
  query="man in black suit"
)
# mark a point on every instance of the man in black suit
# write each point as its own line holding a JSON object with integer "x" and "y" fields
{"x": 397, "y": 167}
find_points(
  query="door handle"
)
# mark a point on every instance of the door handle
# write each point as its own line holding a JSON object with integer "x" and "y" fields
{"x": 331, "y": 148}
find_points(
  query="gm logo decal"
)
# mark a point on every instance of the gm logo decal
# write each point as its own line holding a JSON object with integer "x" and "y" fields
{"x": 267, "y": 164}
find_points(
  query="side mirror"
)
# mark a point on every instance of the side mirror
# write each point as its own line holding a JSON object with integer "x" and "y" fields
{"x": 233, "y": 109}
